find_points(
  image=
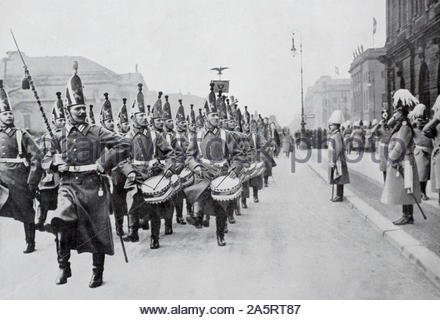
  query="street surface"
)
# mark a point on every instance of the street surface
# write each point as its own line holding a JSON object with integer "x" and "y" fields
{"x": 294, "y": 244}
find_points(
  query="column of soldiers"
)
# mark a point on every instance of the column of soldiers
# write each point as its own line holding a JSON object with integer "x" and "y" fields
{"x": 81, "y": 172}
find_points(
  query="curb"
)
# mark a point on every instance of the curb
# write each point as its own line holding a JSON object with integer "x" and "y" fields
{"x": 426, "y": 260}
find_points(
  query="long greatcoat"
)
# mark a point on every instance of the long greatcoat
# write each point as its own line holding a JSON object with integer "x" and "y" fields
{"x": 383, "y": 132}
{"x": 254, "y": 155}
{"x": 422, "y": 154}
{"x": 214, "y": 145}
{"x": 401, "y": 160}
{"x": 16, "y": 177}
{"x": 336, "y": 155}
{"x": 84, "y": 198}
{"x": 147, "y": 145}
{"x": 434, "y": 133}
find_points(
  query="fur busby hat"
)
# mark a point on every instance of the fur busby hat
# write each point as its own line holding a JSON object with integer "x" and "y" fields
{"x": 74, "y": 91}
{"x": 58, "y": 108}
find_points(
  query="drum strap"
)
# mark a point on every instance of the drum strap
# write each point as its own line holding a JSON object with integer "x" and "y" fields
{"x": 19, "y": 137}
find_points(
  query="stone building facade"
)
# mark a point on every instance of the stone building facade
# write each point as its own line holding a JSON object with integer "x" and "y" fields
{"x": 413, "y": 48}
{"x": 368, "y": 80}
{"x": 325, "y": 96}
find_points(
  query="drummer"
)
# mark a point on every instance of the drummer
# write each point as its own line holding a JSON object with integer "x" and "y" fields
{"x": 212, "y": 154}
{"x": 179, "y": 142}
{"x": 149, "y": 152}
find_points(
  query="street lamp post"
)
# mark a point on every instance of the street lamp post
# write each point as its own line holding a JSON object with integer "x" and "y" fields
{"x": 303, "y": 121}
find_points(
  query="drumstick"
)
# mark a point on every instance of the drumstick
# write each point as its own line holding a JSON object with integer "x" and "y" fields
{"x": 163, "y": 176}
{"x": 223, "y": 180}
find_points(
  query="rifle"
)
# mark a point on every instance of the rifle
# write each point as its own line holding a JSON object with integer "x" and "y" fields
{"x": 28, "y": 83}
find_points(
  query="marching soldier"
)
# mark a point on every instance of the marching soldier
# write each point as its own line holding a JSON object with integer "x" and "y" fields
{"x": 149, "y": 149}
{"x": 20, "y": 172}
{"x": 167, "y": 129}
{"x": 402, "y": 185}
{"x": 423, "y": 147}
{"x": 338, "y": 171}
{"x": 267, "y": 145}
{"x": 212, "y": 154}
{"x": 48, "y": 188}
{"x": 81, "y": 220}
{"x": 180, "y": 144}
{"x": 256, "y": 183}
{"x": 119, "y": 204}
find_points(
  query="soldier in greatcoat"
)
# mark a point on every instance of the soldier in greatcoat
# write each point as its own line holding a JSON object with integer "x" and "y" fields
{"x": 423, "y": 146}
{"x": 402, "y": 185}
{"x": 432, "y": 130}
{"x": 20, "y": 171}
{"x": 150, "y": 155}
{"x": 180, "y": 144}
{"x": 383, "y": 132}
{"x": 118, "y": 196}
{"x": 47, "y": 193}
{"x": 212, "y": 154}
{"x": 337, "y": 164}
{"x": 81, "y": 219}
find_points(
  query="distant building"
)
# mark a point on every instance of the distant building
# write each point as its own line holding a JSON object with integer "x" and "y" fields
{"x": 368, "y": 81}
{"x": 413, "y": 48}
{"x": 50, "y": 74}
{"x": 325, "y": 96}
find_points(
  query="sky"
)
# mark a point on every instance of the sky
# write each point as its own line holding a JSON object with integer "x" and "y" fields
{"x": 175, "y": 43}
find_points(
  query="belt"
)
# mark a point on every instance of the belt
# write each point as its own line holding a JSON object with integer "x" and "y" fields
{"x": 426, "y": 149}
{"x": 12, "y": 160}
{"x": 86, "y": 168}
{"x": 214, "y": 163}
{"x": 145, "y": 163}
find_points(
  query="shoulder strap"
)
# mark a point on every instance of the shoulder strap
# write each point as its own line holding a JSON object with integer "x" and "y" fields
{"x": 223, "y": 137}
{"x": 154, "y": 141}
{"x": 19, "y": 137}
{"x": 199, "y": 142}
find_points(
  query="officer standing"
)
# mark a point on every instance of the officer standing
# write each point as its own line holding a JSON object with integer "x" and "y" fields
{"x": 338, "y": 171}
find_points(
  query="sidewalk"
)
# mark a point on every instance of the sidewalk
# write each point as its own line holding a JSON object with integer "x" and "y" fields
{"x": 420, "y": 243}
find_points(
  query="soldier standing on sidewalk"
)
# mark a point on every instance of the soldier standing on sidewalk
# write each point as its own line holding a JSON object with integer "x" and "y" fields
{"x": 20, "y": 172}
{"x": 338, "y": 171}
{"x": 383, "y": 132}
{"x": 402, "y": 185}
{"x": 423, "y": 147}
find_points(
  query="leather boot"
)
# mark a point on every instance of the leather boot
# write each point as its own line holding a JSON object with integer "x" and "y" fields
{"x": 154, "y": 243}
{"x": 98, "y": 270}
{"x": 206, "y": 220}
{"x": 266, "y": 181}
{"x": 29, "y": 231}
{"x": 243, "y": 203}
{"x": 221, "y": 239}
{"x": 194, "y": 221}
{"x": 255, "y": 195}
{"x": 41, "y": 219}
{"x": 168, "y": 227}
{"x": 237, "y": 207}
{"x": 231, "y": 218}
{"x": 144, "y": 224}
{"x": 407, "y": 217}
{"x": 132, "y": 236}
{"x": 63, "y": 256}
{"x": 180, "y": 220}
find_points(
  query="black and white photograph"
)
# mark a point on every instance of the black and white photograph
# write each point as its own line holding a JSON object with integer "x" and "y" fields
{"x": 219, "y": 159}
